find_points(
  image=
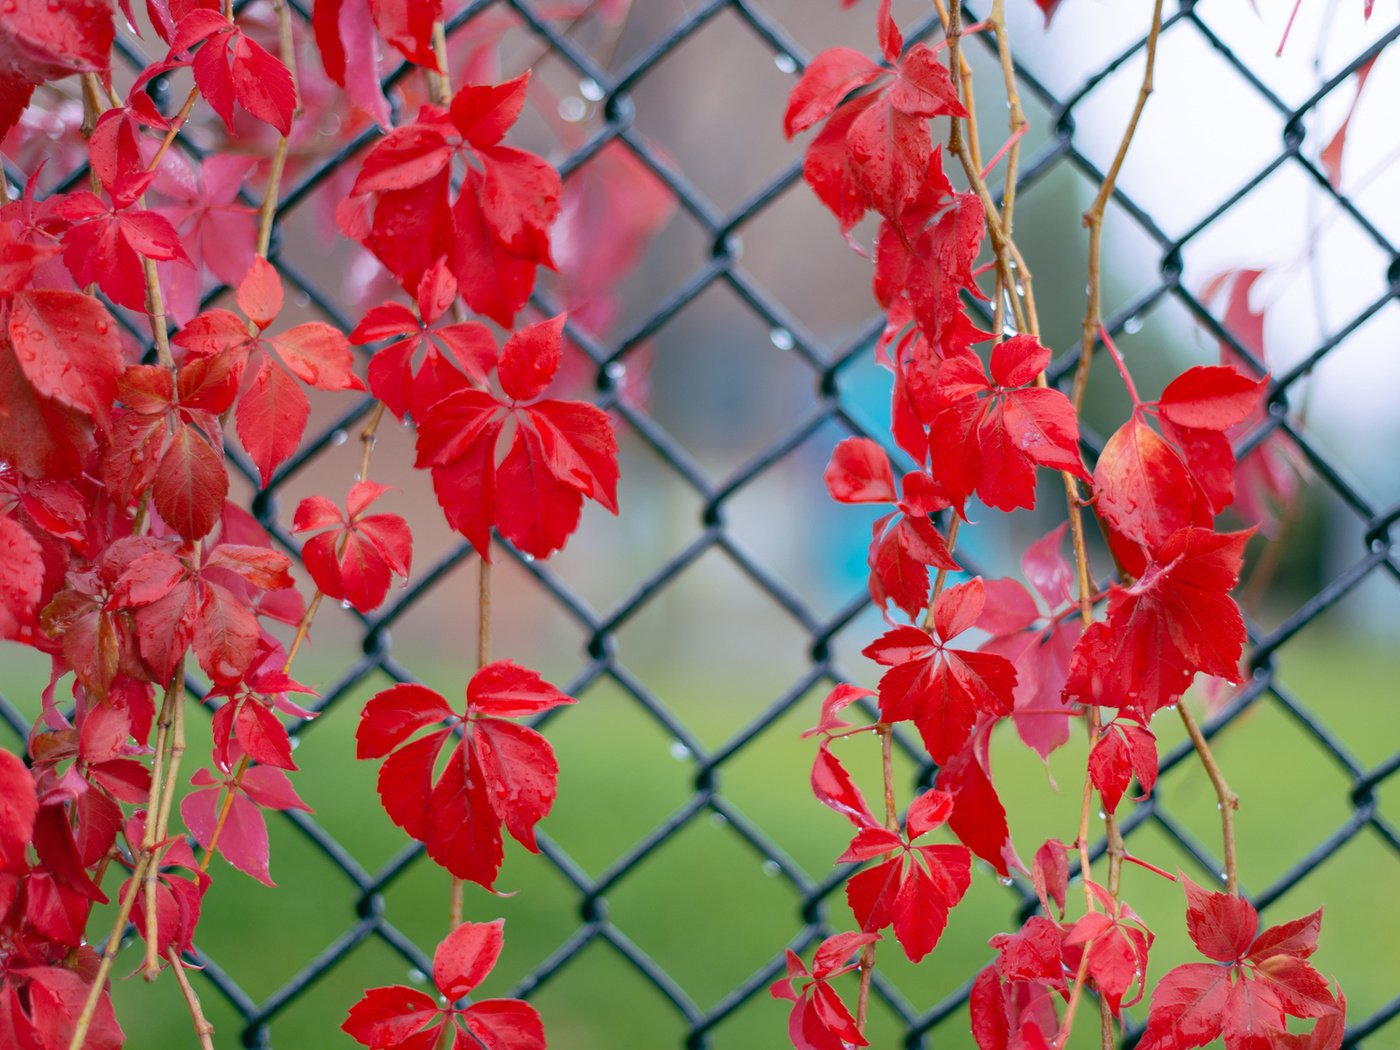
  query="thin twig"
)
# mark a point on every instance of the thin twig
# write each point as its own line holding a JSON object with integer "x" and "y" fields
{"x": 143, "y": 860}
{"x": 1093, "y": 217}
{"x": 1226, "y": 799}
{"x": 203, "y": 1030}
{"x": 151, "y": 969}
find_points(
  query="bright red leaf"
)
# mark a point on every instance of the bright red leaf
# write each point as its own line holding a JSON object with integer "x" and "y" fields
{"x": 355, "y": 558}
{"x": 942, "y": 690}
{"x": 401, "y": 1018}
{"x": 499, "y": 774}
{"x": 915, "y": 889}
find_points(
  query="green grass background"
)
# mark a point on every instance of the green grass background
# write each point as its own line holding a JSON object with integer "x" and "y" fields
{"x": 705, "y": 907}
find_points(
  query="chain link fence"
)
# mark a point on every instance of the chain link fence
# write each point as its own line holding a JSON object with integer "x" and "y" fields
{"x": 1066, "y": 117}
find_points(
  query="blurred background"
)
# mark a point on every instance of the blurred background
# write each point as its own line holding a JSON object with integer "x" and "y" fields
{"x": 717, "y": 310}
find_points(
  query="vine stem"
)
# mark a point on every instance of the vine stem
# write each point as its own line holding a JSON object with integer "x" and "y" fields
{"x": 1076, "y": 993}
{"x": 203, "y": 1030}
{"x": 143, "y": 861}
{"x": 1228, "y": 801}
{"x": 886, "y": 733}
{"x": 1093, "y": 217}
{"x": 155, "y": 842}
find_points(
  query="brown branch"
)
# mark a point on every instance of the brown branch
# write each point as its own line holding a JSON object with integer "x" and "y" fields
{"x": 203, "y": 1030}
{"x": 1226, "y": 799}
{"x": 173, "y": 695}
{"x": 1076, "y": 993}
{"x": 151, "y": 969}
{"x": 1093, "y": 218}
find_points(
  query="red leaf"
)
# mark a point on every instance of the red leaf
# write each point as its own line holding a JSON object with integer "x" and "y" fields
{"x": 536, "y": 511}
{"x": 67, "y": 348}
{"x": 408, "y": 25}
{"x": 829, "y": 78}
{"x": 1187, "y": 1007}
{"x": 530, "y": 359}
{"x": 889, "y": 154}
{"x": 463, "y": 832}
{"x": 828, "y": 168}
{"x": 859, "y": 472}
{"x": 18, "y": 808}
{"x": 500, "y": 774}
{"x": 21, "y": 578}
{"x": 466, "y": 956}
{"x": 319, "y": 356}
{"x": 1211, "y": 397}
{"x": 260, "y": 293}
{"x": 502, "y": 1024}
{"x": 392, "y": 716}
{"x": 943, "y": 691}
{"x": 262, "y": 735}
{"x": 1124, "y": 750}
{"x": 839, "y": 698}
{"x": 392, "y": 1017}
{"x": 835, "y": 789}
{"x": 1144, "y": 490}
{"x": 405, "y": 158}
{"x": 1176, "y": 620}
{"x": 271, "y": 418}
{"x": 191, "y": 484}
{"x": 505, "y": 690}
{"x": 922, "y": 86}
{"x": 345, "y": 38}
{"x": 979, "y": 818}
{"x": 225, "y": 635}
{"x": 483, "y": 113}
{"x": 521, "y": 774}
{"x": 1221, "y": 925}
{"x": 519, "y": 200}
{"x": 243, "y": 840}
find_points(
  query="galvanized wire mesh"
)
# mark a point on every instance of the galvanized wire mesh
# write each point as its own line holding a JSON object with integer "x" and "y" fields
{"x": 369, "y": 917}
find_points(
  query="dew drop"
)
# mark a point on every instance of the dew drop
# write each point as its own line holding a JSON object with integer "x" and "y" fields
{"x": 782, "y": 339}
{"x": 1224, "y": 876}
{"x": 339, "y": 437}
{"x": 1006, "y": 880}
{"x": 102, "y": 327}
{"x": 302, "y": 299}
{"x": 528, "y": 557}
{"x": 718, "y": 820}
{"x": 615, "y": 369}
{"x": 590, "y": 89}
{"x": 1133, "y": 325}
{"x": 572, "y": 109}
{"x": 679, "y": 751}
{"x": 1219, "y": 806}
{"x": 345, "y": 603}
{"x": 295, "y": 742}
{"x": 785, "y": 62}
{"x": 417, "y": 976}
{"x": 1103, "y": 815}
{"x": 771, "y": 868}
{"x": 1379, "y": 546}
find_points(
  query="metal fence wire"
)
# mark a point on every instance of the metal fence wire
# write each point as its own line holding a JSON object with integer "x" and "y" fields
{"x": 368, "y": 914}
